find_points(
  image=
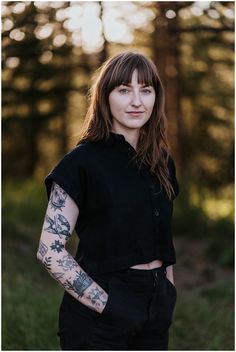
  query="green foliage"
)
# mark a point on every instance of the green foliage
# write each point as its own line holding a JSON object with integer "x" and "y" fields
{"x": 220, "y": 246}
{"x": 30, "y": 317}
{"x": 204, "y": 318}
{"x": 24, "y": 205}
{"x": 31, "y": 301}
{"x": 192, "y": 221}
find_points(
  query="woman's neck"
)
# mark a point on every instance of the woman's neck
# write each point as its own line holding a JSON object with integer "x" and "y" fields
{"x": 131, "y": 135}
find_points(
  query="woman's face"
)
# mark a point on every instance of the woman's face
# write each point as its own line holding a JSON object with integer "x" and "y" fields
{"x": 131, "y": 105}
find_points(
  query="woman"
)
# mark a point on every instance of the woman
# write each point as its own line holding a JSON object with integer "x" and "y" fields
{"x": 116, "y": 188}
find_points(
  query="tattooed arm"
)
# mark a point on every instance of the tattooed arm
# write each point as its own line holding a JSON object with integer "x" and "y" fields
{"x": 61, "y": 216}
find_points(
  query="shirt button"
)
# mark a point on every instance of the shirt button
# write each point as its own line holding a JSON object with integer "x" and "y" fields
{"x": 156, "y": 213}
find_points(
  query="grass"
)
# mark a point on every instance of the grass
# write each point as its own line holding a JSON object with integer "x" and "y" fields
{"x": 30, "y": 302}
{"x": 203, "y": 318}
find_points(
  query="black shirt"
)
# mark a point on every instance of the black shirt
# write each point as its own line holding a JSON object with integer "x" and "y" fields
{"x": 124, "y": 215}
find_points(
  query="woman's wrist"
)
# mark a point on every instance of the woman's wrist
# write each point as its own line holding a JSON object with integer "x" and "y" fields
{"x": 104, "y": 302}
{"x": 95, "y": 298}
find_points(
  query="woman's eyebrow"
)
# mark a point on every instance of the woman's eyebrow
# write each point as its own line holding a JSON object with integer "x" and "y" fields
{"x": 126, "y": 84}
{"x": 130, "y": 85}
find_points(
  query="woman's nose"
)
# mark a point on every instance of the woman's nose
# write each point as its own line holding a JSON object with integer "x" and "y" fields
{"x": 136, "y": 100}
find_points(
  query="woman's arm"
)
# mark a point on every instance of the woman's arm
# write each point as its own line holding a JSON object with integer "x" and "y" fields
{"x": 60, "y": 219}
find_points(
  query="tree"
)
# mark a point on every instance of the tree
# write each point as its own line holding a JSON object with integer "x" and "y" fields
{"x": 193, "y": 49}
{"x": 38, "y": 71}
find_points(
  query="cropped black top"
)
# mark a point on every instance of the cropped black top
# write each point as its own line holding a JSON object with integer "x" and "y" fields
{"x": 124, "y": 215}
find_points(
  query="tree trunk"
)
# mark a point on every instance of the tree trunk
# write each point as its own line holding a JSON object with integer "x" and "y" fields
{"x": 166, "y": 56}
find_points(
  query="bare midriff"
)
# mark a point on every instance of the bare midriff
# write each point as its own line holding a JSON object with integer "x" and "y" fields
{"x": 152, "y": 265}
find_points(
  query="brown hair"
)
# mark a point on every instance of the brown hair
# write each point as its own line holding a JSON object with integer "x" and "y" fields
{"x": 152, "y": 146}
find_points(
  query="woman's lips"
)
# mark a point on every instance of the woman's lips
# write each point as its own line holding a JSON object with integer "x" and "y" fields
{"x": 135, "y": 113}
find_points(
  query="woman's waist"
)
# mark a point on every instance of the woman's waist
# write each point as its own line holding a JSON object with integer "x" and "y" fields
{"x": 148, "y": 266}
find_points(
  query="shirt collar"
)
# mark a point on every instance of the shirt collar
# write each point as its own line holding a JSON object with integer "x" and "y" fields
{"x": 118, "y": 142}
{"x": 114, "y": 138}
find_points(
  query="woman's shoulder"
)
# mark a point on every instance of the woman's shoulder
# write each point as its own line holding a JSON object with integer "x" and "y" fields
{"x": 82, "y": 155}
{"x": 81, "y": 149}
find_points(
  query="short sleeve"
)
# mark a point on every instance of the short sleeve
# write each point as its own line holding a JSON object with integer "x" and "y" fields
{"x": 174, "y": 181}
{"x": 69, "y": 174}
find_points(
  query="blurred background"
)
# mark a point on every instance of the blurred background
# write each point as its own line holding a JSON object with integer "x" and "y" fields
{"x": 50, "y": 51}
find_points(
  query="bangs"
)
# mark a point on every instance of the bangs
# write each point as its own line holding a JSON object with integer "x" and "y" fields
{"x": 122, "y": 72}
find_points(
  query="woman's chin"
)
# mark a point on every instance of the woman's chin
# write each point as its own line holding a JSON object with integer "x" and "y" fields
{"x": 134, "y": 124}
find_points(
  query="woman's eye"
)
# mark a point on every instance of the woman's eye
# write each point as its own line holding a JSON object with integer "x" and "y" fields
{"x": 123, "y": 91}
{"x": 126, "y": 91}
{"x": 146, "y": 91}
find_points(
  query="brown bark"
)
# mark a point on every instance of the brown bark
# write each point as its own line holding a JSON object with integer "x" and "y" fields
{"x": 166, "y": 56}
{"x": 103, "y": 54}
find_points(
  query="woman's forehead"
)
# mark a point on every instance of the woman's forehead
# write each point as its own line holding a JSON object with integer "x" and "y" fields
{"x": 143, "y": 77}
{"x": 142, "y": 85}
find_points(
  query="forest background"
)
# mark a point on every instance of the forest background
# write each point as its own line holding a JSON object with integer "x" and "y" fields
{"x": 50, "y": 52}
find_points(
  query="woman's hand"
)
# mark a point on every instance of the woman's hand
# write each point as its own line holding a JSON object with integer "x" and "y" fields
{"x": 170, "y": 274}
{"x": 95, "y": 292}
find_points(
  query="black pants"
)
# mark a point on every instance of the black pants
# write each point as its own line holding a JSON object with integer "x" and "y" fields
{"x": 137, "y": 315}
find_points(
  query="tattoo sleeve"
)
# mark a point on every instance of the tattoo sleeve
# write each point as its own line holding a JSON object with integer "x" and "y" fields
{"x": 42, "y": 249}
{"x": 57, "y": 198}
{"x": 59, "y": 223}
{"x": 71, "y": 276}
{"x": 67, "y": 262}
{"x": 95, "y": 295}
